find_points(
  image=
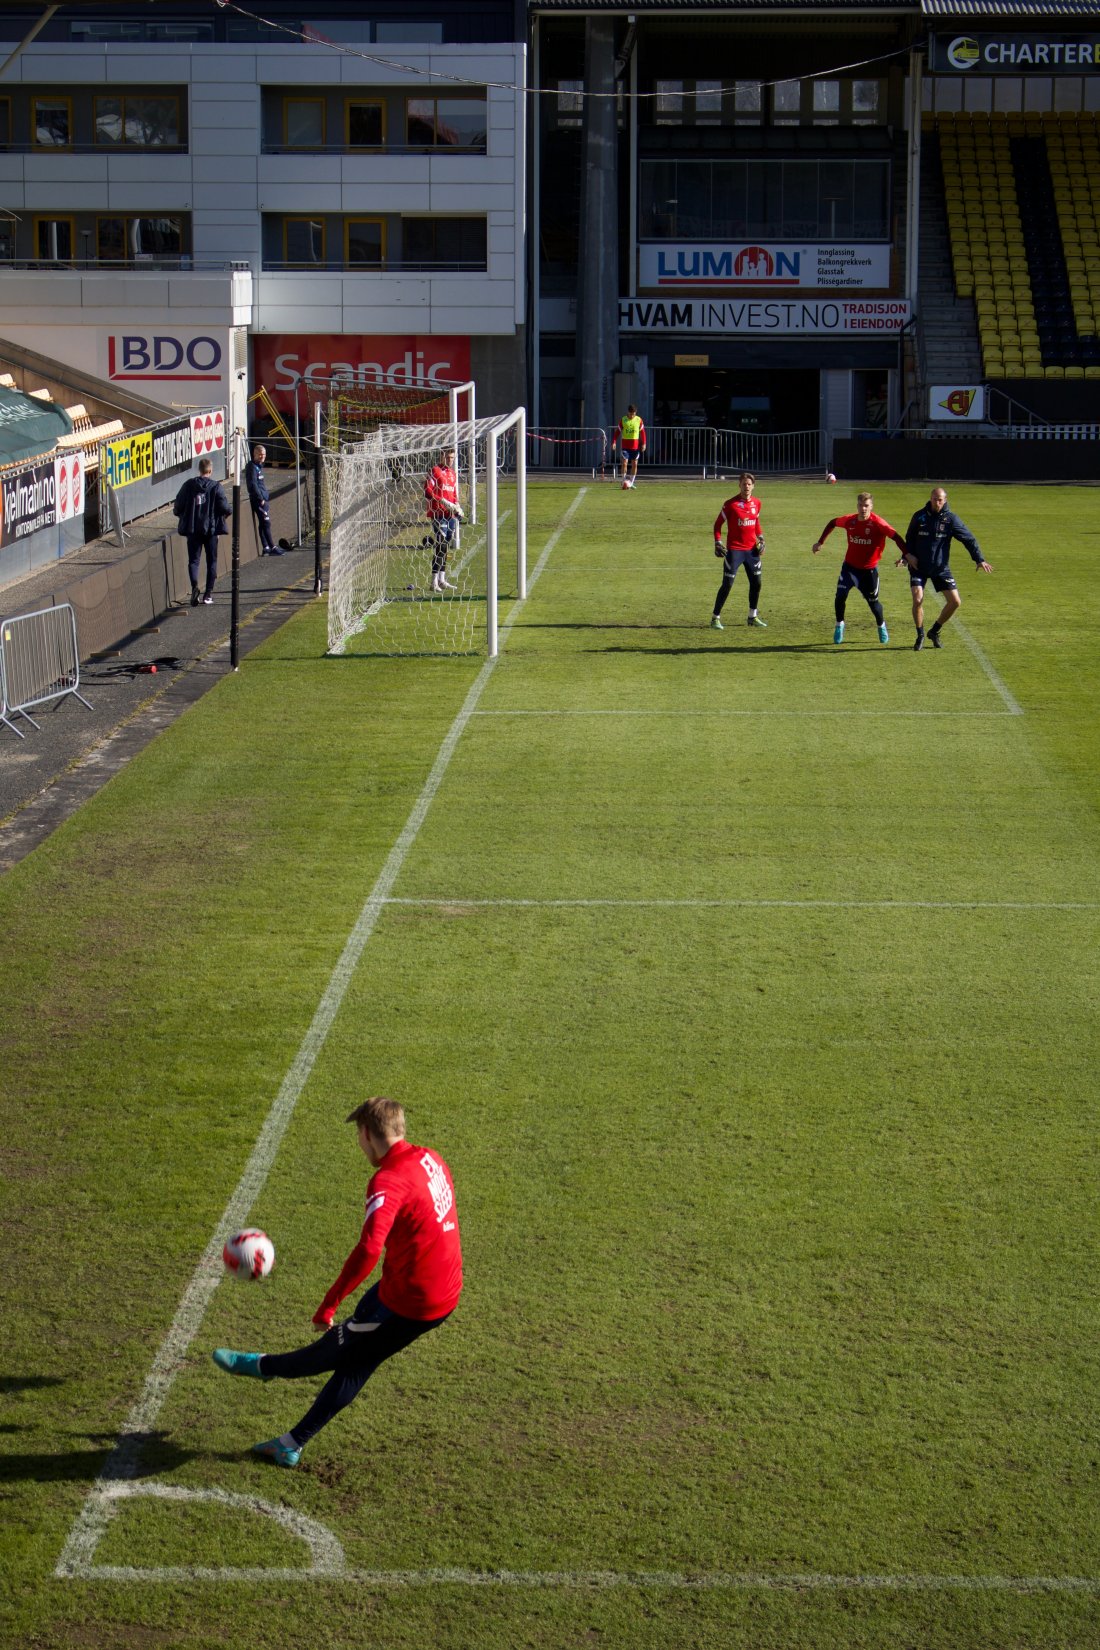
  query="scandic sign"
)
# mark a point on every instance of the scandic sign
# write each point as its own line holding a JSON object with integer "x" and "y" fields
{"x": 283, "y": 362}
{"x": 775, "y": 317}
{"x": 159, "y": 357}
{"x": 771, "y": 267}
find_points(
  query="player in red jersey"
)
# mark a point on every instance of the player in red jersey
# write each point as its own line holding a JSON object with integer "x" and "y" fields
{"x": 744, "y": 547}
{"x": 867, "y": 535}
{"x": 444, "y": 513}
{"x": 410, "y": 1212}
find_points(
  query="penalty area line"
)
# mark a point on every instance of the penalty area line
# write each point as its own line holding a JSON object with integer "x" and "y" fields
{"x": 123, "y": 1462}
{"x": 459, "y": 901}
{"x": 723, "y": 711}
{"x": 608, "y": 1580}
{"x": 1014, "y": 709}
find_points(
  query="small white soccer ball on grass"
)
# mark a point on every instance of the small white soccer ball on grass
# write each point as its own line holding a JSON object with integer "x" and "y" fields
{"x": 831, "y": 479}
{"x": 249, "y": 1255}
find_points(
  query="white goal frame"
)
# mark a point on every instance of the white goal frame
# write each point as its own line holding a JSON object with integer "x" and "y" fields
{"x": 362, "y": 516}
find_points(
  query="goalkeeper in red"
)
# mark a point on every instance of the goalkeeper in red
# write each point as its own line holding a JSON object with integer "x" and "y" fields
{"x": 444, "y": 513}
{"x": 744, "y": 546}
{"x": 867, "y": 535}
{"x": 410, "y": 1212}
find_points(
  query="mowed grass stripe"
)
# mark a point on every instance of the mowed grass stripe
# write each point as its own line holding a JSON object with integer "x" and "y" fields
{"x": 123, "y": 1461}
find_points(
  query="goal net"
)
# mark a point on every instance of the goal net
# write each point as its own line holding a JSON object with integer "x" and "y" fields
{"x": 417, "y": 515}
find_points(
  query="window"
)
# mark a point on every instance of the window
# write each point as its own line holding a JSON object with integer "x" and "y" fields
{"x": 303, "y": 242}
{"x": 54, "y": 237}
{"x": 725, "y": 200}
{"x": 866, "y": 98}
{"x": 570, "y": 102}
{"x": 138, "y": 121}
{"x": 446, "y": 122}
{"x": 445, "y": 243}
{"x": 364, "y": 123}
{"x": 748, "y": 103}
{"x": 364, "y": 243}
{"x": 138, "y": 240}
{"x": 5, "y": 122}
{"x": 668, "y": 105}
{"x": 52, "y": 122}
{"x": 708, "y": 102}
{"x": 304, "y": 122}
{"x": 786, "y": 101}
{"x": 826, "y": 102}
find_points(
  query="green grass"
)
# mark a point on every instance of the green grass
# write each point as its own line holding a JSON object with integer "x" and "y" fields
{"x": 779, "y": 1218}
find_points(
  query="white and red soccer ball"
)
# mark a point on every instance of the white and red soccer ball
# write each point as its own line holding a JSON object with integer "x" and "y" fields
{"x": 830, "y": 478}
{"x": 249, "y": 1255}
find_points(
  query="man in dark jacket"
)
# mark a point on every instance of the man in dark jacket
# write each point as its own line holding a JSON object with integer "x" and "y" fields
{"x": 927, "y": 548}
{"x": 202, "y": 511}
{"x": 260, "y": 500}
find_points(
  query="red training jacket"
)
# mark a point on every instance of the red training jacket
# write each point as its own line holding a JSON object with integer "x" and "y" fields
{"x": 411, "y": 1214}
{"x": 866, "y": 539}
{"x": 440, "y": 490}
{"x": 741, "y": 517}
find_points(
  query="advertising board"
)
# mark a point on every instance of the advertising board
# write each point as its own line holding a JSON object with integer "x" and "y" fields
{"x": 284, "y": 361}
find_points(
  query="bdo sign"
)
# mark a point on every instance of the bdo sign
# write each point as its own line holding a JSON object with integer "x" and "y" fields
{"x": 164, "y": 357}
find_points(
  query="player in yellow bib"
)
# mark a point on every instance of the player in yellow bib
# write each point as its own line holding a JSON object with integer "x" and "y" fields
{"x": 630, "y": 437}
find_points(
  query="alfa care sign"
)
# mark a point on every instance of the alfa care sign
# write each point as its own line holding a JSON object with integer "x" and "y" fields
{"x": 682, "y": 266}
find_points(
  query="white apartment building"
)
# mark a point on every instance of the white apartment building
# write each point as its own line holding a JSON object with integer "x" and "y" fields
{"x": 194, "y": 217}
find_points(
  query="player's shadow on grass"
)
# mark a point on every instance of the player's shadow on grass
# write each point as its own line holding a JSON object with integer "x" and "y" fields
{"x": 722, "y": 649}
{"x": 158, "y": 1455}
{"x": 28, "y": 1383}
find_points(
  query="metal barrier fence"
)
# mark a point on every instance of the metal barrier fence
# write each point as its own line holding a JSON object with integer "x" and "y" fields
{"x": 144, "y": 469}
{"x": 557, "y": 447}
{"x": 717, "y": 452}
{"x": 38, "y": 662}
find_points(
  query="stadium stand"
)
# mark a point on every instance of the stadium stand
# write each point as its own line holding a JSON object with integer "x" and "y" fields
{"x": 1033, "y": 277}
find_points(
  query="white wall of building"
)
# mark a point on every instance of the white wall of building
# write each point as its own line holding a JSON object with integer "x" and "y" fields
{"x": 226, "y": 184}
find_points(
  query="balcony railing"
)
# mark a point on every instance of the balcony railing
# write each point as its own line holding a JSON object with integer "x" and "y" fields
{"x": 372, "y": 151}
{"x": 152, "y": 263}
{"x": 388, "y": 266}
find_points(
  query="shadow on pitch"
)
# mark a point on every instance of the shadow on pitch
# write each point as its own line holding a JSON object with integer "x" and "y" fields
{"x": 28, "y": 1383}
{"x": 157, "y": 1455}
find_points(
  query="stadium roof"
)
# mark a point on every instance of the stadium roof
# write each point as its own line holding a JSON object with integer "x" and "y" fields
{"x": 1028, "y": 11}
{"x": 761, "y": 8}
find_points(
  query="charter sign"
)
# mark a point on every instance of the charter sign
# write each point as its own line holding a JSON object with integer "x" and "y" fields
{"x": 771, "y": 267}
{"x": 774, "y": 317}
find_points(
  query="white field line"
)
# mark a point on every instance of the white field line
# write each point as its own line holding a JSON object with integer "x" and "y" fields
{"x": 475, "y": 548}
{"x": 123, "y": 1461}
{"x": 461, "y": 901}
{"x": 607, "y": 1580}
{"x": 1014, "y": 709}
{"x": 847, "y": 715}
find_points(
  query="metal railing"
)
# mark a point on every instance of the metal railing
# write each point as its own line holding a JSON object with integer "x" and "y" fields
{"x": 687, "y": 448}
{"x": 39, "y": 661}
{"x": 557, "y": 447}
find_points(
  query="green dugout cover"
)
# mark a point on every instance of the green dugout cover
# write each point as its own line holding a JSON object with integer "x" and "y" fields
{"x": 29, "y": 427}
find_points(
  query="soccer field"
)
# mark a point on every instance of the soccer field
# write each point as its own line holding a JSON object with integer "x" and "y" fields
{"x": 747, "y": 984}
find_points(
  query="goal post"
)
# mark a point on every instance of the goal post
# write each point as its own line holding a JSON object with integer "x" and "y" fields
{"x": 414, "y": 562}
